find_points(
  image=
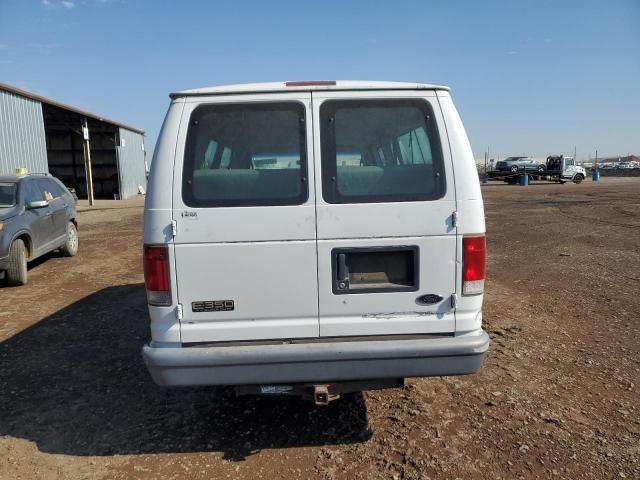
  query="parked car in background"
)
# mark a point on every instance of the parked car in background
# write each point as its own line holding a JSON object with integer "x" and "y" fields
{"x": 626, "y": 166}
{"x": 520, "y": 164}
{"x": 37, "y": 215}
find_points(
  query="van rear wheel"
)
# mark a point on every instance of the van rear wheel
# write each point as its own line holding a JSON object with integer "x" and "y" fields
{"x": 17, "y": 272}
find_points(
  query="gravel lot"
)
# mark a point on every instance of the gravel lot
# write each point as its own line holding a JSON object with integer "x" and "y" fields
{"x": 558, "y": 396}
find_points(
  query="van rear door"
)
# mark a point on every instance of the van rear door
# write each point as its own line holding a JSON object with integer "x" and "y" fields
{"x": 244, "y": 211}
{"x": 385, "y": 214}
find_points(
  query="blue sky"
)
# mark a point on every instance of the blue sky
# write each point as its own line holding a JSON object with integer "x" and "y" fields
{"x": 528, "y": 77}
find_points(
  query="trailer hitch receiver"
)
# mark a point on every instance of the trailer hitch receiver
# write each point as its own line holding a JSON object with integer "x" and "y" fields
{"x": 322, "y": 396}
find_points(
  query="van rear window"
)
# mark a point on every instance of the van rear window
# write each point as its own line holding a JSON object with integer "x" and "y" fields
{"x": 380, "y": 151}
{"x": 245, "y": 155}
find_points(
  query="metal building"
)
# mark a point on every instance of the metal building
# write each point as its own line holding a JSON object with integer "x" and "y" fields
{"x": 43, "y": 135}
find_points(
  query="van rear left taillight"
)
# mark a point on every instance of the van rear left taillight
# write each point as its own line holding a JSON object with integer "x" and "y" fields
{"x": 474, "y": 264}
{"x": 156, "y": 274}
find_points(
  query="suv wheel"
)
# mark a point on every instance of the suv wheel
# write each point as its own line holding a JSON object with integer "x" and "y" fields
{"x": 17, "y": 272}
{"x": 70, "y": 247}
{"x": 514, "y": 168}
{"x": 541, "y": 168}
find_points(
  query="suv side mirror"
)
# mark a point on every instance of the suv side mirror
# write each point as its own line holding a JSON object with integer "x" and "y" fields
{"x": 38, "y": 204}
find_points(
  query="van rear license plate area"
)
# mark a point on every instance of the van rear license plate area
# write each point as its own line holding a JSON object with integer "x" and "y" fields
{"x": 275, "y": 389}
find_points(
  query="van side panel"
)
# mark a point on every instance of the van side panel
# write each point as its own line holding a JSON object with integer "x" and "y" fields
{"x": 158, "y": 204}
{"x": 165, "y": 326}
{"x": 469, "y": 195}
{"x": 470, "y": 207}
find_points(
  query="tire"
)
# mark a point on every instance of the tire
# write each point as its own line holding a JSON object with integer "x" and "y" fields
{"x": 578, "y": 178}
{"x": 541, "y": 168}
{"x": 17, "y": 272}
{"x": 70, "y": 247}
{"x": 514, "y": 168}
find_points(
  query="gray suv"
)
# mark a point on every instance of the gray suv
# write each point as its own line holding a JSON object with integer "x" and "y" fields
{"x": 37, "y": 215}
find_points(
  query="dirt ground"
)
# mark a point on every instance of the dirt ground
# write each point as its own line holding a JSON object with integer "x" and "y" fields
{"x": 558, "y": 395}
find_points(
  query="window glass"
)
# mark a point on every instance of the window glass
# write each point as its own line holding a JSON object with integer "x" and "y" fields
{"x": 7, "y": 194}
{"x": 32, "y": 192}
{"x": 348, "y": 159}
{"x": 246, "y": 154}
{"x": 380, "y": 151}
{"x": 50, "y": 189}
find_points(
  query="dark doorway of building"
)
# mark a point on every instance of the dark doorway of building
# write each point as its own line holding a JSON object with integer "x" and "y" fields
{"x": 65, "y": 152}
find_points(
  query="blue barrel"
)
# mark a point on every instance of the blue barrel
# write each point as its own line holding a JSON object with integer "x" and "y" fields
{"x": 595, "y": 176}
{"x": 524, "y": 180}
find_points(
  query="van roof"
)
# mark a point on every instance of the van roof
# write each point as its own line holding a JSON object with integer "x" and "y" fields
{"x": 306, "y": 86}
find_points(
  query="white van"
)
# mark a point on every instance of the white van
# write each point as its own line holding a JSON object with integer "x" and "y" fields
{"x": 322, "y": 237}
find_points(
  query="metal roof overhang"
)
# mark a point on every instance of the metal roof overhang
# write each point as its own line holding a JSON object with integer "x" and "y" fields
{"x": 39, "y": 98}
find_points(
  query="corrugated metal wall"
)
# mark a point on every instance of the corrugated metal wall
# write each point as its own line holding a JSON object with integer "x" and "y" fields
{"x": 131, "y": 163}
{"x": 22, "y": 138}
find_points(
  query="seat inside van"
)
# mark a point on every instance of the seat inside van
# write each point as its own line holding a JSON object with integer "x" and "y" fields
{"x": 387, "y": 180}
{"x": 213, "y": 184}
{"x": 232, "y": 184}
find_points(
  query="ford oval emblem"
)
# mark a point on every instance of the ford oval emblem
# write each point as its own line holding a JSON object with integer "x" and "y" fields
{"x": 428, "y": 299}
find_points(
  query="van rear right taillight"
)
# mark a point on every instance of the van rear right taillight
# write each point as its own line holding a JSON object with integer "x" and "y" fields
{"x": 156, "y": 274}
{"x": 474, "y": 260}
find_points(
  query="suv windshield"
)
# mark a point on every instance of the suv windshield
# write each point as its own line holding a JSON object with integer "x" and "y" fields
{"x": 7, "y": 195}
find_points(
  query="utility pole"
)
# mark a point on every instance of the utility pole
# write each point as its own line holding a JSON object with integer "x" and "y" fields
{"x": 87, "y": 160}
{"x": 575, "y": 160}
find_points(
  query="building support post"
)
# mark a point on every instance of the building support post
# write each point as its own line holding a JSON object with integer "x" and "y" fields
{"x": 87, "y": 160}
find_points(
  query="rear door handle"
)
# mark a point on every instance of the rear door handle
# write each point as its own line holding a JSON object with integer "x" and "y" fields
{"x": 343, "y": 271}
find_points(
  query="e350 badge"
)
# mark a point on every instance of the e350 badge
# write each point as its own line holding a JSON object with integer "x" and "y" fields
{"x": 213, "y": 306}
